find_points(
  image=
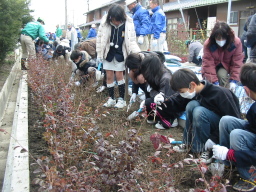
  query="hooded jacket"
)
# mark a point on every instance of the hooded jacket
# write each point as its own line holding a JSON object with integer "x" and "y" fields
{"x": 103, "y": 38}
{"x": 141, "y": 20}
{"x": 158, "y": 20}
{"x": 230, "y": 58}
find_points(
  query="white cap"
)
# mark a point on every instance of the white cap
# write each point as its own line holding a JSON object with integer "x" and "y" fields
{"x": 93, "y": 25}
{"x": 129, "y": 2}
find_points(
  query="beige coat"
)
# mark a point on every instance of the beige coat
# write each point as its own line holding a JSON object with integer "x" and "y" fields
{"x": 103, "y": 38}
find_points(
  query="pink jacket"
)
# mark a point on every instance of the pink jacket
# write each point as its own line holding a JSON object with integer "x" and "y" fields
{"x": 231, "y": 59}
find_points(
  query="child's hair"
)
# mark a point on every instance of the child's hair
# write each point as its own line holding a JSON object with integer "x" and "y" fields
{"x": 75, "y": 54}
{"x": 222, "y": 29}
{"x": 182, "y": 78}
{"x": 39, "y": 42}
{"x": 116, "y": 12}
{"x": 248, "y": 76}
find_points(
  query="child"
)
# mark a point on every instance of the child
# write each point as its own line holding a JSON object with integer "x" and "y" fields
{"x": 204, "y": 104}
{"x": 240, "y": 135}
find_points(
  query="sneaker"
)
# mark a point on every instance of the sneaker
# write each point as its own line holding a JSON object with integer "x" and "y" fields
{"x": 100, "y": 89}
{"x": 244, "y": 185}
{"x": 110, "y": 103}
{"x": 159, "y": 126}
{"x": 151, "y": 122}
{"x": 205, "y": 157}
{"x": 120, "y": 103}
{"x": 180, "y": 148}
{"x": 175, "y": 123}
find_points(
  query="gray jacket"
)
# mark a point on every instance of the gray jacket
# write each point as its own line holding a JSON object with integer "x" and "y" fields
{"x": 194, "y": 49}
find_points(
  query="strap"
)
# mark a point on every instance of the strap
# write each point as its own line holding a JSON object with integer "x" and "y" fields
{"x": 253, "y": 183}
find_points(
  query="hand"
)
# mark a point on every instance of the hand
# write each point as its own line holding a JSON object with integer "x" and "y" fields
{"x": 208, "y": 144}
{"x": 142, "y": 104}
{"x": 154, "y": 42}
{"x": 133, "y": 98}
{"x": 99, "y": 60}
{"x": 219, "y": 152}
{"x": 216, "y": 83}
{"x": 77, "y": 83}
{"x": 149, "y": 88}
{"x": 159, "y": 98}
{"x": 140, "y": 39}
{"x": 232, "y": 85}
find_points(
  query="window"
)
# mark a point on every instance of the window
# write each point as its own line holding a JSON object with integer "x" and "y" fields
{"x": 172, "y": 23}
{"x": 233, "y": 17}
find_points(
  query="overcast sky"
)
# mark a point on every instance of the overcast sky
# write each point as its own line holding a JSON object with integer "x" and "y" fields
{"x": 53, "y": 11}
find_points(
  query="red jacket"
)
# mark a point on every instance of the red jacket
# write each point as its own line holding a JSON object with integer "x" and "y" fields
{"x": 231, "y": 59}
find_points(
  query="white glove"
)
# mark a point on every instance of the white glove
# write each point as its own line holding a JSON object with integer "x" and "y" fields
{"x": 149, "y": 88}
{"x": 133, "y": 98}
{"x": 66, "y": 51}
{"x": 159, "y": 98}
{"x": 140, "y": 39}
{"x": 232, "y": 86}
{"x": 154, "y": 42}
{"x": 220, "y": 152}
{"x": 77, "y": 83}
{"x": 208, "y": 144}
{"x": 142, "y": 104}
{"x": 99, "y": 60}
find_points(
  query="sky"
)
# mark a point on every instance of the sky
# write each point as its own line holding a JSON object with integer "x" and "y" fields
{"x": 53, "y": 11}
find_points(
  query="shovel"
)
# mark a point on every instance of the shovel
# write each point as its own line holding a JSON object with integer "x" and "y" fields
{"x": 217, "y": 168}
{"x": 134, "y": 114}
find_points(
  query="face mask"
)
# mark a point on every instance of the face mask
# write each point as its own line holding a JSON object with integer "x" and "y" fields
{"x": 221, "y": 43}
{"x": 188, "y": 95}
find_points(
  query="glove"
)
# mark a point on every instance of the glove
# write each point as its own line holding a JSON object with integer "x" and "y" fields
{"x": 154, "y": 42}
{"x": 77, "y": 83}
{"x": 140, "y": 39}
{"x": 208, "y": 144}
{"x": 142, "y": 104}
{"x": 216, "y": 83}
{"x": 159, "y": 98}
{"x": 232, "y": 85}
{"x": 133, "y": 98}
{"x": 220, "y": 152}
{"x": 149, "y": 88}
{"x": 99, "y": 60}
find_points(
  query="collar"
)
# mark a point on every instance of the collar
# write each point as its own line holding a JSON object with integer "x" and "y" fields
{"x": 214, "y": 47}
{"x": 136, "y": 8}
{"x": 115, "y": 25}
{"x": 155, "y": 9}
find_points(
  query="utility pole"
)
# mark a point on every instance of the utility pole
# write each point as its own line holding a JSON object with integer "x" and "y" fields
{"x": 66, "y": 15}
{"x": 88, "y": 3}
{"x": 161, "y": 4}
{"x": 229, "y": 10}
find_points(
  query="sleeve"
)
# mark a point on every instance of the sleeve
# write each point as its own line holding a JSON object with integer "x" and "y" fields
{"x": 237, "y": 61}
{"x": 146, "y": 23}
{"x": 133, "y": 46}
{"x": 157, "y": 26}
{"x": 135, "y": 88}
{"x": 42, "y": 34}
{"x": 89, "y": 34}
{"x": 208, "y": 65}
{"x": 251, "y": 32}
{"x": 98, "y": 43}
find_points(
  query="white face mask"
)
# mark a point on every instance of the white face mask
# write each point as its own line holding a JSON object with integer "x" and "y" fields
{"x": 221, "y": 43}
{"x": 188, "y": 95}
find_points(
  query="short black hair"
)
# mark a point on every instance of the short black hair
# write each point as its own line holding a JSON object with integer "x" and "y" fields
{"x": 133, "y": 61}
{"x": 116, "y": 12}
{"x": 248, "y": 76}
{"x": 182, "y": 78}
{"x": 75, "y": 54}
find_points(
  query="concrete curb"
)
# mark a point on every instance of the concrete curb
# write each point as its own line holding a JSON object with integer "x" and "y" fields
{"x": 17, "y": 167}
{"x": 6, "y": 90}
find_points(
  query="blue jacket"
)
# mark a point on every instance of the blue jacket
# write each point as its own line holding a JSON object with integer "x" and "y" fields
{"x": 141, "y": 20}
{"x": 78, "y": 33}
{"x": 158, "y": 21}
{"x": 92, "y": 33}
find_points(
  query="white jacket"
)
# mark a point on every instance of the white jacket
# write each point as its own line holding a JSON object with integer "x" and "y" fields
{"x": 103, "y": 38}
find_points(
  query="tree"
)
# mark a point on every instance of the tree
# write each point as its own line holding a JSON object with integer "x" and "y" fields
{"x": 14, "y": 14}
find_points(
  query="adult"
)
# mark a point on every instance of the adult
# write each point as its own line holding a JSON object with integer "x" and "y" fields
{"x": 223, "y": 56}
{"x": 115, "y": 41}
{"x": 158, "y": 29}
{"x": 251, "y": 38}
{"x": 194, "y": 48}
{"x": 79, "y": 35}
{"x": 31, "y": 31}
{"x": 58, "y": 32}
{"x": 92, "y": 32}
{"x": 142, "y": 23}
{"x": 71, "y": 35}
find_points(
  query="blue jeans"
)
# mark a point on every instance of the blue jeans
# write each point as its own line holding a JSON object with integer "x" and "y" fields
{"x": 200, "y": 124}
{"x": 233, "y": 136}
